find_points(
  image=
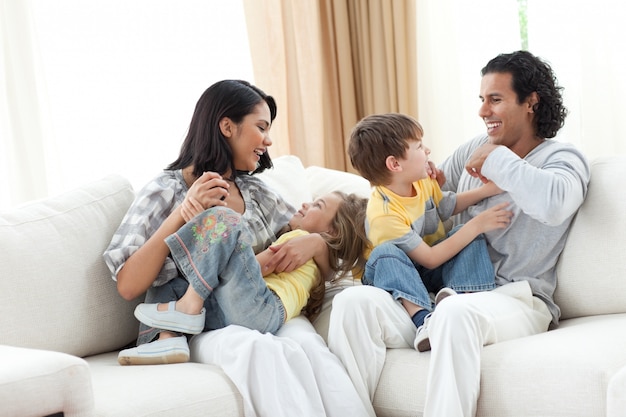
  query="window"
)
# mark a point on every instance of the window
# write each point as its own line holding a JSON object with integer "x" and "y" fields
{"x": 120, "y": 79}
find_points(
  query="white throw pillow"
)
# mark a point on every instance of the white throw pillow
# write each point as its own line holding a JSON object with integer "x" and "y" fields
{"x": 288, "y": 178}
{"x": 324, "y": 180}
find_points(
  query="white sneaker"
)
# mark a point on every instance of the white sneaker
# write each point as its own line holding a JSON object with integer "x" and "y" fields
{"x": 422, "y": 342}
{"x": 443, "y": 293}
{"x": 170, "y": 350}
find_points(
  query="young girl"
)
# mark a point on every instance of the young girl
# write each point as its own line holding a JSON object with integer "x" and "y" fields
{"x": 213, "y": 253}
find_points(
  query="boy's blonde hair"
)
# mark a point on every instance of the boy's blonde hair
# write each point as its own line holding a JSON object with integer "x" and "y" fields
{"x": 378, "y": 136}
{"x": 347, "y": 244}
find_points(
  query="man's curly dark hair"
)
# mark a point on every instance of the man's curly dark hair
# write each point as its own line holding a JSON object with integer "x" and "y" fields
{"x": 531, "y": 74}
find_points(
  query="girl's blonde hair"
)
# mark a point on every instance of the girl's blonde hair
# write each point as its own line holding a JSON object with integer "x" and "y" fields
{"x": 347, "y": 245}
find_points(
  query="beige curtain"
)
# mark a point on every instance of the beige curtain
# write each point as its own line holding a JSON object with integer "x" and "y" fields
{"x": 329, "y": 63}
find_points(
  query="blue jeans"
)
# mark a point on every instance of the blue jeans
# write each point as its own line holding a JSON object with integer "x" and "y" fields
{"x": 391, "y": 269}
{"x": 213, "y": 253}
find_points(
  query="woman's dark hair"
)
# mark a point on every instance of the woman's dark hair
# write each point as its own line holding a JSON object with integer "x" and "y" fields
{"x": 531, "y": 74}
{"x": 205, "y": 147}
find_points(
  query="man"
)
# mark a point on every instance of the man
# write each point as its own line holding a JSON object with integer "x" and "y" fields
{"x": 545, "y": 182}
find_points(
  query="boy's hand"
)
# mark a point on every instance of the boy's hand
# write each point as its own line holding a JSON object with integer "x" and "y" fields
{"x": 490, "y": 189}
{"x": 436, "y": 174}
{"x": 495, "y": 217}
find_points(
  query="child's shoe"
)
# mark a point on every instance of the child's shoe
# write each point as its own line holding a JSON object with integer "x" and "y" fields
{"x": 170, "y": 319}
{"x": 422, "y": 342}
{"x": 170, "y": 350}
{"x": 443, "y": 293}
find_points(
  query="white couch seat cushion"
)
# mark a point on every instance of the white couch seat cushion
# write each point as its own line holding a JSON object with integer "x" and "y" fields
{"x": 183, "y": 389}
{"x": 558, "y": 373}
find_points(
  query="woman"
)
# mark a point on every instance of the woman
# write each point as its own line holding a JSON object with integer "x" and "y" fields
{"x": 225, "y": 146}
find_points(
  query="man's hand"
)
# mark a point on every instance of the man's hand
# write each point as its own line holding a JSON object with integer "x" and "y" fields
{"x": 477, "y": 159}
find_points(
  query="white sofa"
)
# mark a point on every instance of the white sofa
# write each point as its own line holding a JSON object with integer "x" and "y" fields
{"x": 63, "y": 321}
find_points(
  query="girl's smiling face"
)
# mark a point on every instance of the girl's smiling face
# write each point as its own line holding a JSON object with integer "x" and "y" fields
{"x": 250, "y": 138}
{"x": 316, "y": 217}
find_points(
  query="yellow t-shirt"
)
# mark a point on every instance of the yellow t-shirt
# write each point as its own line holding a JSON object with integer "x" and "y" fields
{"x": 407, "y": 221}
{"x": 293, "y": 288}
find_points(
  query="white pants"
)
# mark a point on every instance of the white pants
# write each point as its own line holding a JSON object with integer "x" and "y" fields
{"x": 365, "y": 321}
{"x": 291, "y": 374}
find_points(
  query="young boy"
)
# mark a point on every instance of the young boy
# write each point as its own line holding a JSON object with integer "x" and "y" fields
{"x": 405, "y": 215}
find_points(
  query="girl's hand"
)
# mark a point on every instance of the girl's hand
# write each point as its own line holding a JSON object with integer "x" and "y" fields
{"x": 295, "y": 252}
{"x": 495, "y": 217}
{"x": 209, "y": 190}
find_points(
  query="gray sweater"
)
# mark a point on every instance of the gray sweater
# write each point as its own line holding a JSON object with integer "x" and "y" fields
{"x": 545, "y": 189}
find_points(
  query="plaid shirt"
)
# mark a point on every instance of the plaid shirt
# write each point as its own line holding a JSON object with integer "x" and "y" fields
{"x": 265, "y": 214}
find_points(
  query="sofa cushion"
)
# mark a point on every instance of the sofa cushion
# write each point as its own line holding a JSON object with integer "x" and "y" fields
{"x": 563, "y": 372}
{"x": 556, "y": 373}
{"x": 182, "y": 389}
{"x": 324, "y": 180}
{"x": 288, "y": 179}
{"x": 591, "y": 269}
{"x": 57, "y": 293}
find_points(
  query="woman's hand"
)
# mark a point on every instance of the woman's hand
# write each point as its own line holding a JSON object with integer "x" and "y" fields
{"x": 190, "y": 208}
{"x": 209, "y": 190}
{"x": 295, "y": 252}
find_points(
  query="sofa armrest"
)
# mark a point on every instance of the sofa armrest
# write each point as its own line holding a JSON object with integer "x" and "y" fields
{"x": 39, "y": 382}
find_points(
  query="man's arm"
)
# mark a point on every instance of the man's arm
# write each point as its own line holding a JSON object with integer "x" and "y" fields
{"x": 550, "y": 193}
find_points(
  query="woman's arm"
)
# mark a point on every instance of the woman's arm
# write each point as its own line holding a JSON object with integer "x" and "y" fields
{"x": 142, "y": 267}
{"x": 263, "y": 259}
{"x": 270, "y": 259}
{"x": 295, "y": 252}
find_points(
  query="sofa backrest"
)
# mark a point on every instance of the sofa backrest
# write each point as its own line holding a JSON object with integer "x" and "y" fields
{"x": 592, "y": 268}
{"x": 298, "y": 184}
{"x": 56, "y": 292}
